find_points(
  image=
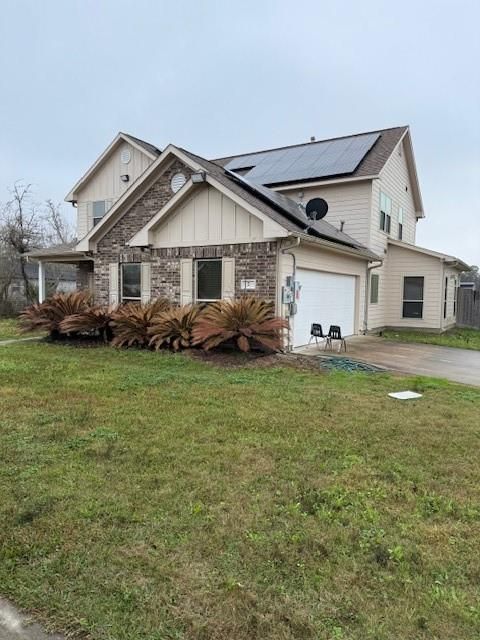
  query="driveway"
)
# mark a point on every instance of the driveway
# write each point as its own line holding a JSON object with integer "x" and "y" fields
{"x": 15, "y": 626}
{"x": 458, "y": 365}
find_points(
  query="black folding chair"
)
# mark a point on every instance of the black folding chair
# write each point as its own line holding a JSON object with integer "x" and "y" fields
{"x": 316, "y": 332}
{"x": 335, "y": 333}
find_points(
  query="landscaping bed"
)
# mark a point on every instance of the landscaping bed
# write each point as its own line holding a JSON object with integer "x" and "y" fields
{"x": 153, "y": 496}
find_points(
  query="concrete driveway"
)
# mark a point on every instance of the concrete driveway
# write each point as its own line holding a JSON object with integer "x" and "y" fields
{"x": 458, "y": 365}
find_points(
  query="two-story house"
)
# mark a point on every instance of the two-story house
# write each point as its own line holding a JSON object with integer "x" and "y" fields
{"x": 169, "y": 223}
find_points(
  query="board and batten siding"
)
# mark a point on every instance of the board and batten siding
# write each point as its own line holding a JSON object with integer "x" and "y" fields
{"x": 106, "y": 184}
{"x": 208, "y": 218}
{"x": 317, "y": 258}
{"x": 405, "y": 262}
{"x": 348, "y": 202}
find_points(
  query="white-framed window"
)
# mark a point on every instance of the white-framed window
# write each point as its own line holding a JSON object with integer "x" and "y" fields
{"x": 385, "y": 212}
{"x": 99, "y": 209}
{"x": 400, "y": 223}
{"x": 374, "y": 282}
{"x": 455, "y": 296}
{"x": 131, "y": 281}
{"x": 445, "y": 298}
{"x": 413, "y": 296}
{"x": 208, "y": 280}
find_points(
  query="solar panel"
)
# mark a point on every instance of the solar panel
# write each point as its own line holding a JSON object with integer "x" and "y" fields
{"x": 314, "y": 160}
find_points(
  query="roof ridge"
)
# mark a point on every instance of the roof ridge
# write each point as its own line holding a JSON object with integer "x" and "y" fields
{"x": 141, "y": 141}
{"x": 304, "y": 144}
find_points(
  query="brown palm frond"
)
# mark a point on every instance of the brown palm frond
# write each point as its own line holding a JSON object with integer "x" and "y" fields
{"x": 49, "y": 314}
{"x": 173, "y": 328}
{"x": 131, "y": 322}
{"x": 95, "y": 320}
{"x": 247, "y": 322}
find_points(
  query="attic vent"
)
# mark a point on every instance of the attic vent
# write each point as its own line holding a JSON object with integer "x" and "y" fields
{"x": 125, "y": 155}
{"x": 177, "y": 182}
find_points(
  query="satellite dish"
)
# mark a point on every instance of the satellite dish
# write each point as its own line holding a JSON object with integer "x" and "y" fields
{"x": 316, "y": 209}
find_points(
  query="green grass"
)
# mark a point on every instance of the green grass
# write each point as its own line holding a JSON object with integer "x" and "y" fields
{"x": 459, "y": 338}
{"x": 9, "y": 330}
{"x": 146, "y": 496}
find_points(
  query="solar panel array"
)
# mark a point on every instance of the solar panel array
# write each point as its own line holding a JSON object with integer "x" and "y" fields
{"x": 314, "y": 160}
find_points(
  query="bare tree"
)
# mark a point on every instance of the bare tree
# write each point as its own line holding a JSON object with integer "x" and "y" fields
{"x": 21, "y": 229}
{"x": 57, "y": 228}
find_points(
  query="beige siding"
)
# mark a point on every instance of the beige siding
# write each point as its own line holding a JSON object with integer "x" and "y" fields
{"x": 394, "y": 181}
{"x": 208, "y": 218}
{"x": 405, "y": 262}
{"x": 318, "y": 258}
{"x": 105, "y": 183}
{"x": 349, "y": 201}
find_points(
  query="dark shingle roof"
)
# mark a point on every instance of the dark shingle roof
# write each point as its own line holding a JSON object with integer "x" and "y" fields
{"x": 278, "y": 207}
{"x": 371, "y": 163}
{"x": 146, "y": 145}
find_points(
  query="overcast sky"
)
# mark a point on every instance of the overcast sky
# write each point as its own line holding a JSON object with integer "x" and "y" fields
{"x": 229, "y": 77}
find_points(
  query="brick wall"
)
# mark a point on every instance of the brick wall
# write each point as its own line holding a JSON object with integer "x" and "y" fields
{"x": 83, "y": 271}
{"x": 252, "y": 260}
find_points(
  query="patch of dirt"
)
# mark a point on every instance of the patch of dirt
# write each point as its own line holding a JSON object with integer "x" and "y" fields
{"x": 253, "y": 359}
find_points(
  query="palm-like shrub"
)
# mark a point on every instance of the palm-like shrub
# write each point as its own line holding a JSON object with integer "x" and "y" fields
{"x": 131, "y": 322}
{"x": 95, "y": 320}
{"x": 173, "y": 328}
{"x": 48, "y": 315}
{"x": 247, "y": 322}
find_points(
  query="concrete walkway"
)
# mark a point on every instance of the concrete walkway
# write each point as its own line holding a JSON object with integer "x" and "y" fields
{"x": 457, "y": 365}
{"x": 15, "y": 626}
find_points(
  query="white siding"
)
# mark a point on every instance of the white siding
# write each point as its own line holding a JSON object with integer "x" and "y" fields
{"x": 316, "y": 257}
{"x": 105, "y": 183}
{"x": 349, "y": 201}
{"x": 208, "y": 218}
{"x": 452, "y": 275}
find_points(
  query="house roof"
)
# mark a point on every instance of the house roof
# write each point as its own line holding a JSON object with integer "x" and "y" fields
{"x": 434, "y": 254}
{"x": 57, "y": 253}
{"x": 371, "y": 161}
{"x": 280, "y": 208}
{"x": 155, "y": 151}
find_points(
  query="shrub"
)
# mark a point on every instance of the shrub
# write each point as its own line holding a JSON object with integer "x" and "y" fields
{"x": 48, "y": 315}
{"x": 247, "y": 322}
{"x": 131, "y": 322}
{"x": 95, "y": 320}
{"x": 173, "y": 328}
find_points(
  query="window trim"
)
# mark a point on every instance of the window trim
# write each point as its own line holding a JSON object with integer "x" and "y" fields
{"x": 196, "y": 263}
{"x": 385, "y": 207}
{"x": 377, "y": 278}
{"x": 407, "y": 300}
{"x": 130, "y": 298}
{"x": 445, "y": 298}
{"x": 400, "y": 223}
{"x": 97, "y": 219}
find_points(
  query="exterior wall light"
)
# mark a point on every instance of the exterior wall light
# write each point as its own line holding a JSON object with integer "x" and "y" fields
{"x": 199, "y": 177}
{"x": 125, "y": 177}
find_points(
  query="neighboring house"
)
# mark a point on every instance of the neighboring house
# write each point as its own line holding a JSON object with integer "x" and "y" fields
{"x": 173, "y": 224}
{"x": 58, "y": 278}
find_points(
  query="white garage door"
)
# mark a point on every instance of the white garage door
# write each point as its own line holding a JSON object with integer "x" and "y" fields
{"x": 326, "y": 298}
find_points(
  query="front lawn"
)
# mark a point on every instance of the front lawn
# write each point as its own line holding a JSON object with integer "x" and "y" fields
{"x": 9, "y": 330}
{"x": 146, "y": 496}
{"x": 460, "y": 338}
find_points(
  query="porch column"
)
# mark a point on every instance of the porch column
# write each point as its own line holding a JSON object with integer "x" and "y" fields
{"x": 41, "y": 281}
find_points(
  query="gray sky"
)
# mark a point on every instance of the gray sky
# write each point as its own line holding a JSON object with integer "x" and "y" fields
{"x": 229, "y": 77}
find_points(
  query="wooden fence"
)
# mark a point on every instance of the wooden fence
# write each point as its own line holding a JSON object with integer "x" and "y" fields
{"x": 468, "y": 311}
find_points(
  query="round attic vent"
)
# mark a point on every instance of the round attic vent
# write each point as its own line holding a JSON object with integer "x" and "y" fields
{"x": 177, "y": 182}
{"x": 125, "y": 155}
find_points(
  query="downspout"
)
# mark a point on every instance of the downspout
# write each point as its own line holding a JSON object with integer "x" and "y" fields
{"x": 288, "y": 251}
{"x": 370, "y": 268}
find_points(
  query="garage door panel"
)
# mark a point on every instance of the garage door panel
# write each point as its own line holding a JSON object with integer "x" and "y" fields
{"x": 326, "y": 298}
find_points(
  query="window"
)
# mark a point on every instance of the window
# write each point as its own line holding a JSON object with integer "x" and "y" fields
{"x": 131, "y": 281}
{"x": 374, "y": 280}
{"x": 413, "y": 296}
{"x": 400, "y": 223}
{"x": 455, "y": 297}
{"x": 208, "y": 280}
{"x": 98, "y": 211}
{"x": 445, "y": 298}
{"x": 385, "y": 212}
